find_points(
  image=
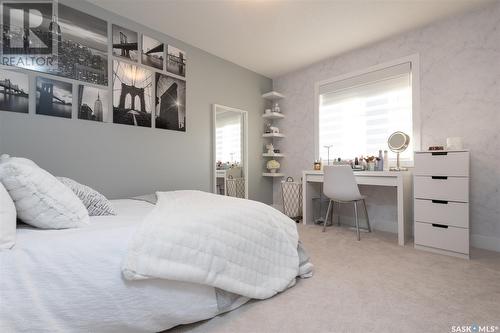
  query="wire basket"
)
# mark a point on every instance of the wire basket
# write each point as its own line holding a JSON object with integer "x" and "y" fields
{"x": 292, "y": 198}
{"x": 236, "y": 187}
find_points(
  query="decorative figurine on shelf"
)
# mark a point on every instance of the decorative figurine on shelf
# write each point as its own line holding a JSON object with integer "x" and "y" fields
{"x": 277, "y": 151}
{"x": 270, "y": 148}
{"x": 274, "y": 129}
{"x": 267, "y": 111}
{"x": 317, "y": 165}
{"x": 276, "y": 108}
{"x": 273, "y": 165}
{"x": 268, "y": 128}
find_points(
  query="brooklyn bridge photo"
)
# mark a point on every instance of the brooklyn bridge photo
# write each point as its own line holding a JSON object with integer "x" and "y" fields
{"x": 170, "y": 103}
{"x": 53, "y": 97}
{"x": 14, "y": 88}
{"x": 176, "y": 61}
{"x": 125, "y": 43}
{"x": 132, "y": 94}
{"x": 152, "y": 52}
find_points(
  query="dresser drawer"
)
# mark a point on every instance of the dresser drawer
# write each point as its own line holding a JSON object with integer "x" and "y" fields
{"x": 442, "y": 188}
{"x": 442, "y": 164}
{"x": 449, "y": 238}
{"x": 443, "y": 212}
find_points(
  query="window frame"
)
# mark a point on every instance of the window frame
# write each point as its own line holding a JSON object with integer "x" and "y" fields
{"x": 414, "y": 61}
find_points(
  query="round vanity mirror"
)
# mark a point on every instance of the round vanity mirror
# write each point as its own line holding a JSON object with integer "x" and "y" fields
{"x": 398, "y": 142}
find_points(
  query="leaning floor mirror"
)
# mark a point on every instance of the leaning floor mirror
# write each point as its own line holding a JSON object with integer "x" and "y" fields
{"x": 230, "y": 157}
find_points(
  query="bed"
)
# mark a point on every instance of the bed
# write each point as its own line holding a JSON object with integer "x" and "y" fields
{"x": 70, "y": 281}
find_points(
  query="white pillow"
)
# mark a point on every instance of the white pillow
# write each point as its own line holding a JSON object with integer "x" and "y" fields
{"x": 40, "y": 199}
{"x": 7, "y": 220}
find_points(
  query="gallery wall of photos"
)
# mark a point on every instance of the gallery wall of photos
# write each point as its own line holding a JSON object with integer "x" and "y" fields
{"x": 70, "y": 66}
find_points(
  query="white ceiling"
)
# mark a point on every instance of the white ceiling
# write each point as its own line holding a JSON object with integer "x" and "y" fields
{"x": 276, "y": 37}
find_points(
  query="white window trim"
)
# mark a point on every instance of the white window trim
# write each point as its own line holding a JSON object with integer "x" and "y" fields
{"x": 414, "y": 60}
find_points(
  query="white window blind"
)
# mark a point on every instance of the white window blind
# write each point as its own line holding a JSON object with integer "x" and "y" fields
{"x": 357, "y": 115}
{"x": 228, "y": 139}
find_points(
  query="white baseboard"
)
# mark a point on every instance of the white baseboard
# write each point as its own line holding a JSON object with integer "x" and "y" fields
{"x": 485, "y": 242}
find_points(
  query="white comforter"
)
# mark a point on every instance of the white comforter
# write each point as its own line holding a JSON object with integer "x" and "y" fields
{"x": 241, "y": 246}
{"x": 70, "y": 281}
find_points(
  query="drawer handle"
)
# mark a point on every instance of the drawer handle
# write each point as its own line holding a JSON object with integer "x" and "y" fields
{"x": 439, "y": 153}
{"x": 435, "y": 225}
{"x": 439, "y": 177}
{"x": 443, "y": 202}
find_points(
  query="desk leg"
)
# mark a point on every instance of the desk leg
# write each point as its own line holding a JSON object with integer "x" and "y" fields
{"x": 309, "y": 191}
{"x": 401, "y": 211}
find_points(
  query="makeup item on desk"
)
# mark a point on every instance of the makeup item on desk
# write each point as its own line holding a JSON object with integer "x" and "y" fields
{"x": 356, "y": 161}
{"x": 386, "y": 161}
{"x": 380, "y": 166}
{"x": 432, "y": 148}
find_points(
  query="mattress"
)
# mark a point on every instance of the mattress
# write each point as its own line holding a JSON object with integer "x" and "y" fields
{"x": 70, "y": 281}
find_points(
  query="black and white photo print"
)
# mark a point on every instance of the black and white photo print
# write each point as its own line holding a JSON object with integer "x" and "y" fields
{"x": 170, "y": 106}
{"x": 132, "y": 94}
{"x": 152, "y": 52}
{"x": 14, "y": 91}
{"x": 176, "y": 61}
{"x": 53, "y": 97}
{"x": 125, "y": 43}
{"x": 83, "y": 46}
{"x": 93, "y": 104}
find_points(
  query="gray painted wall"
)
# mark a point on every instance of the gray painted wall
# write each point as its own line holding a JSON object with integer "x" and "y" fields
{"x": 122, "y": 160}
{"x": 459, "y": 96}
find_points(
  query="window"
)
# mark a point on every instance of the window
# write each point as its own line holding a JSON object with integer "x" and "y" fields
{"x": 228, "y": 138}
{"x": 357, "y": 114}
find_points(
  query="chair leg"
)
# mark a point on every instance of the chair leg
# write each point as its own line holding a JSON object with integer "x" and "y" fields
{"x": 356, "y": 218}
{"x": 367, "y": 218}
{"x": 338, "y": 213}
{"x": 327, "y": 213}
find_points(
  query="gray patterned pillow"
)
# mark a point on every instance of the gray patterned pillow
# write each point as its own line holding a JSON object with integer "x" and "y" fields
{"x": 96, "y": 203}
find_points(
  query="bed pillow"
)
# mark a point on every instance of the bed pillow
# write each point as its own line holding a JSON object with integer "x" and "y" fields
{"x": 40, "y": 199}
{"x": 95, "y": 202}
{"x": 7, "y": 220}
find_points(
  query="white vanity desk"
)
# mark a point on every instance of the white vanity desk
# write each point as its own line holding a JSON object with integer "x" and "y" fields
{"x": 402, "y": 180}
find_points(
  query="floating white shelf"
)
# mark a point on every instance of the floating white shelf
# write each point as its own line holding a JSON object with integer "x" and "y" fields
{"x": 273, "y": 95}
{"x": 273, "y": 115}
{"x": 273, "y": 135}
{"x": 273, "y": 155}
{"x": 271, "y": 174}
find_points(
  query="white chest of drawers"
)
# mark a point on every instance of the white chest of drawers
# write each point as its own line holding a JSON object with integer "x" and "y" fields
{"x": 441, "y": 192}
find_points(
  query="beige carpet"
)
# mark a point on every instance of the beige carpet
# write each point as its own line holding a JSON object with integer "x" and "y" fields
{"x": 373, "y": 286}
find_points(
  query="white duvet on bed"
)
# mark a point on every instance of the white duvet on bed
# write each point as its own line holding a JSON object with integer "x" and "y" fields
{"x": 70, "y": 281}
{"x": 241, "y": 246}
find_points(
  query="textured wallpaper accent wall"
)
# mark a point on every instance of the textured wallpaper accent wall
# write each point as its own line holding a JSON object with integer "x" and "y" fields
{"x": 460, "y": 96}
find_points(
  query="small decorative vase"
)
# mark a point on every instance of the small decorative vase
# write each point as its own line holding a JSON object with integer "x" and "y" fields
{"x": 371, "y": 166}
{"x": 272, "y": 170}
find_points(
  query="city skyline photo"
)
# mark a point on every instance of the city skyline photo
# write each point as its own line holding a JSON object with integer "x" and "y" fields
{"x": 14, "y": 91}
{"x": 83, "y": 46}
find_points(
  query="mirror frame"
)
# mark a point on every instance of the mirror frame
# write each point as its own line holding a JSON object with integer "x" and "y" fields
{"x": 244, "y": 153}
{"x": 405, "y": 144}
